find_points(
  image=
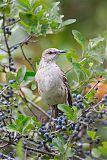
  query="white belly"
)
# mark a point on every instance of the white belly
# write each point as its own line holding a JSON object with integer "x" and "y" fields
{"x": 50, "y": 85}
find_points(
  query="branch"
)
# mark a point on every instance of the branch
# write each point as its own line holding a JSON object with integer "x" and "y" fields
{"x": 31, "y": 64}
{"x": 34, "y": 105}
{"x": 40, "y": 151}
{"x": 5, "y": 38}
{"x": 3, "y": 50}
{"x": 28, "y": 106}
{"x": 22, "y": 42}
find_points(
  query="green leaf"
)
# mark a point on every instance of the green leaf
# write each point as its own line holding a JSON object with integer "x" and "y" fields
{"x": 10, "y": 76}
{"x": 72, "y": 55}
{"x": 59, "y": 143}
{"x": 21, "y": 74}
{"x": 28, "y": 18}
{"x": 95, "y": 41}
{"x": 91, "y": 134}
{"x": 79, "y": 38}
{"x": 28, "y": 128}
{"x": 21, "y": 124}
{"x": 36, "y": 122}
{"x": 69, "y": 112}
{"x": 29, "y": 76}
{"x": 24, "y": 3}
{"x": 68, "y": 22}
{"x": 33, "y": 85}
{"x": 95, "y": 153}
{"x": 19, "y": 150}
{"x": 22, "y": 119}
{"x": 12, "y": 128}
{"x": 103, "y": 149}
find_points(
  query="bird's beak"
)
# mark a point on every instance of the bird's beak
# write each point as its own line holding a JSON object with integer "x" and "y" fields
{"x": 62, "y": 51}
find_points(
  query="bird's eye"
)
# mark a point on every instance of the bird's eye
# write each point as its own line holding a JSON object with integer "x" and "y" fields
{"x": 50, "y": 53}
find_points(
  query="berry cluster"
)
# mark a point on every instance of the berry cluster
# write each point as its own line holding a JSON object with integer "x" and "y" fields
{"x": 78, "y": 101}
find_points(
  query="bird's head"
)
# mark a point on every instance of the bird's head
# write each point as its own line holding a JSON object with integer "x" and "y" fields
{"x": 51, "y": 54}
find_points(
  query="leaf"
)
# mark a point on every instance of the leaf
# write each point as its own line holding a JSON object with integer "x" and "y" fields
{"x": 24, "y": 3}
{"x": 28, "y": 18}
{"x": 36, "y": 122}
{"x": 33, "y": 85}
{"x": 12, "y": 128}
{"x": 91, "y": 134}
{"x": 27, "y": 92}
{"x": 68, "y": 22}
{"x": 39, "y": 8}
{"x": 19, "y": 150}
{"x": 71, "y": 55}
{"x": 23, "y": 119}
{"x": 21, "y": 74}
{"x": 103, "y": 149}
{"x": 69, "y": 112}
{"x": 28, "y": 128}
{"x": 95, "y": 41}
{"x": 29, "y": 76}
{"x": 95, "y": 153}
{"x": 21, "y": 124}
{"x": 59, "y": 143}
{"x": 10, "y": 76}
{"x": 79, "y": 38}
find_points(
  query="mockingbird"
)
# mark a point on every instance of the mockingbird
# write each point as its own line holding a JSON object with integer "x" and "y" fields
{"x": 51, "y": 80}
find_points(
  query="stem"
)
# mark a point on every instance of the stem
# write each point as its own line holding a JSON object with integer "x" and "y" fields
{"x": 31, "y": 64}
{"x": 5, "y": 38}
{"x": 41, "y": 151}
{"x": 34, "y": 105}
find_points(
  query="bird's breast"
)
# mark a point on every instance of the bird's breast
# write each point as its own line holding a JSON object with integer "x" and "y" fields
{"x": 50, "y": 85}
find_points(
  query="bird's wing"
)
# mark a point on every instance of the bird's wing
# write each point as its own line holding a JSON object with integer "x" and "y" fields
{"x": 69, "y": 97}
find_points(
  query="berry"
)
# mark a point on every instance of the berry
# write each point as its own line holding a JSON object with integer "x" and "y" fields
{"x": 99, "y": 115}
{"x": 15, "y": 47}
{"x": 74, "y": 95}
{"x": 74, "y": 103}
{"x": 64, "y": 128}
{"x": 12, "y": 81}
{"x": 79, "y": 97}
{"x": 13, "y": 19}
{"x": 105, "y": 96}
{"x": 95, "y": 129}
{"x": 97, "y": 141}
{"x": 58, "y": 127}
{"x": 105, "y": 103}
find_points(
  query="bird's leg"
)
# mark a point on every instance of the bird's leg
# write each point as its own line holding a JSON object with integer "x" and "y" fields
{"x": 52, "y": 109}
{"x": 55, "y": 111}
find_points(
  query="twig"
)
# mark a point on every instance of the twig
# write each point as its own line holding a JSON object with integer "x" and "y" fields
{"x": 22, "y": 42}
{"x": 31, "y": 64}
{"x": 5, "y": 38}
{"x": 28, "y": 106}
{"x": 3, "y": 50}
{"x": 34, "y": 105}
{"x": 10, "y": 24}
{"x": 41, "y": 151}
{"x": 93, "y": 87}
{"x": 3, "y": 90}
{"x": 78, "y": 157}
{"x": 68, "y": 70}
{"x": 25, "y": 155}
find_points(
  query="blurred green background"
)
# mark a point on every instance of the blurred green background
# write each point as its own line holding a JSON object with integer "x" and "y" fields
{"x": 91, "y": 16}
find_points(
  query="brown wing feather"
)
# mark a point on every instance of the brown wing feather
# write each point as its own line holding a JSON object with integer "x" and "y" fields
{"x": 69, "y": 97}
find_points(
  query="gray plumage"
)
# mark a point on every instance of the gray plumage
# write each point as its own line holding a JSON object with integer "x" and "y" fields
{"x": 52, "y": 83}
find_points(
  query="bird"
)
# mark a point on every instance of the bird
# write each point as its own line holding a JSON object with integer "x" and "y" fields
{"x": 51, "y": 80}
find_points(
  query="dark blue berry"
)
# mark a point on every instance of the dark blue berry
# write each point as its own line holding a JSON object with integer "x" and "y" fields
{"x": 105, "y": 96}
{"x": 79, "y": 97}
{"x": 74, "y": 95}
